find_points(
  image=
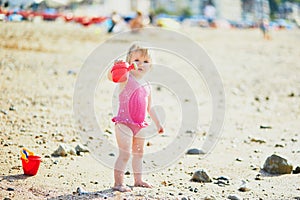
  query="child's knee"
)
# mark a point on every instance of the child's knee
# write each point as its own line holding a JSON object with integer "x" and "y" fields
{"x": 124, "y": 155}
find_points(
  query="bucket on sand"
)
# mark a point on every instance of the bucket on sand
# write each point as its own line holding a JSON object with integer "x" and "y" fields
{"x": 30, "y": 162}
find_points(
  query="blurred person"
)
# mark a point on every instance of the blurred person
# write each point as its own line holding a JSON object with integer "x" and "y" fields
{"x": 210, "y": 14}
{"x": 115, "y": 19}
{"x": 264, "y": 27}
{"x": 136, "y": 23}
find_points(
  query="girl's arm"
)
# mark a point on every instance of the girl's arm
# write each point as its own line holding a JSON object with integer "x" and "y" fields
{"x": 109, "y": 75}
{"x": 153, "y": 116}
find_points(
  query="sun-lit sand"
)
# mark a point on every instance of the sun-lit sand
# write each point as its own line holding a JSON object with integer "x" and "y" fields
{"x": 39, "y": 65}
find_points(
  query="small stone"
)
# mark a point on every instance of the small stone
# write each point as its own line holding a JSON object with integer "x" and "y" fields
{"x": 12, "y": 108}
{"x": 184, "y": 198}
{"x": 111, "y": 154}
{"x": 234, "y": 197}
{"x": 225, "y": 178}
{"x": 294, "y": 140}
{"x": 3, "y": 112}
{"x": 265, "y": 127}
{"x": 210, "y": 198}
{"x": 201, "y": 176}
{"x": 279, "y": 145}
{"x": 221, "y": 183}
{"x": 108, "y": 131}
{"x": 71, "y": 72}
{"x": 260, "y": 141}
{"x": 297, "y": 170}
{"x": 277, "y": 165}
{"x": 194, "y": 151}
{"x": 80, "y": 191}
{"x": 81, "y": 148}
{"x": 243, "y": 187}
{"x": 292, "y": 94}
{"x": 10, "y": 189}
{"x": 127, "y": 173}
{"x": 258, "y": 177}
{"x": 63, "y": 150}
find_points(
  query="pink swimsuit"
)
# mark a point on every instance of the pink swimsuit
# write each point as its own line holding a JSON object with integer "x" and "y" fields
{"x": 133, "y": 102}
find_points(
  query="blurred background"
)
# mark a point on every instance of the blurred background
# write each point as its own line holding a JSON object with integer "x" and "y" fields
{"x": 203, "y": 13}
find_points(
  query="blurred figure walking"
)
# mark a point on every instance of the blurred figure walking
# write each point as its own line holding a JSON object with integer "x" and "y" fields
{"x": 136, "y": 23}
{"x": 264, "y": 27}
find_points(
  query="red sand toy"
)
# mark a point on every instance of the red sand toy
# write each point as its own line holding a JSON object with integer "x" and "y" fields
{"x": 120, "y": 71}
{"x": 30, "y": 162}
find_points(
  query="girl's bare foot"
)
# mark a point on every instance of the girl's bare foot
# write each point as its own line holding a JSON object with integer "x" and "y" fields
{"x": 142, "y": 184}
{"x": 121, "y": 188}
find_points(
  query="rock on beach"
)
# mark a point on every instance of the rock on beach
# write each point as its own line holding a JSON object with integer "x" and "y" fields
{"x": 275, "y": 164}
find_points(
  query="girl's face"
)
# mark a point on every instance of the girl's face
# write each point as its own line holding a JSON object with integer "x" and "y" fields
{"x": 143, "y": 62}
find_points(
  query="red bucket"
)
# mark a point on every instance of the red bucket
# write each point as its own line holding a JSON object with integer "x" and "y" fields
{"x": 31, "y": 166}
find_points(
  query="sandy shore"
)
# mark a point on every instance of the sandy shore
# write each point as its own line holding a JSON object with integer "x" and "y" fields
{"x": 39, "y": 64}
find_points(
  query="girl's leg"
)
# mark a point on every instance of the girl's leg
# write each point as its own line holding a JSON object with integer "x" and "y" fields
{"x": 137, "y": 161}
{"x": 124, "y": 141}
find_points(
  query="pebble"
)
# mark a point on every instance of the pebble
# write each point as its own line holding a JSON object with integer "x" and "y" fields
{"x": 275, "y": 164}
{"x": 80, "y": 191}
{"x": 260, "y": 141}
{"x": 10, "y": 189}
{"x": 265, "y": 127}
{"x": 63, "y": 150}
{"x": 258, "y": 177}
{"x": 111, "y": 154}
{"x": 210, "y": 198}
{"x": 221, "y": 183}
{"x": 279, "y": 145}
{"x": 297, "y": 170}
{"x": 201, "y": 176}
{"x": 12, "y": 108}
{"x": 243, "y": 187}
{"x": 81, "y": 148}
{"x": 194, "y": 151}
{"x": 234, "y": 197}
{"x": 3, "y": 112}
{"x": 127, "y": 173}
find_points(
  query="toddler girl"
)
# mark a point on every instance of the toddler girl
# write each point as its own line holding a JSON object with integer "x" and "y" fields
{"x": 134, "y": 103}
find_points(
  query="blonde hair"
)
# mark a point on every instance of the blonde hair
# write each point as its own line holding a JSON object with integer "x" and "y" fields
{"x": 138, "y": 47}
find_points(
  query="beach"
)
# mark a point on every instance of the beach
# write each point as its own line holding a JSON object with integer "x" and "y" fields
{"x": 39, "y": 67}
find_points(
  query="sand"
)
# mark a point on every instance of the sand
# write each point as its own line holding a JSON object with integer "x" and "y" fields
{"x": 39, "y": 66}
